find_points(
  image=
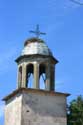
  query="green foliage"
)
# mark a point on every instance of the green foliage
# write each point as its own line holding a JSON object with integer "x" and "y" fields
{"x": 75, "y": 112}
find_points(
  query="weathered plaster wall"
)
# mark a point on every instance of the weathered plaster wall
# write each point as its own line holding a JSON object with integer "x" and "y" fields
{"x": 35, "y": 109}
{"x": 13, "y": 111}
{"x": 43, "y": 110}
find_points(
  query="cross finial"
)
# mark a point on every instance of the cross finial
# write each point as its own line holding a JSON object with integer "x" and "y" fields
{"x": 37, "y": 31}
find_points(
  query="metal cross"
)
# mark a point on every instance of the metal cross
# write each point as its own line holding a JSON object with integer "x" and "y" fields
{"x": 37, "y": 32}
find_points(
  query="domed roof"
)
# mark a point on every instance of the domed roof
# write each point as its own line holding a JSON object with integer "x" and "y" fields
{"x": 35, "y": 46}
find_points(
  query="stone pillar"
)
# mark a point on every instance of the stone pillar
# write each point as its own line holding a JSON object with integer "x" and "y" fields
{"x": 48, "y": 82}
{"x": 18, "y": 84}
{"x": 19, "y": 77}
{"x": 36, "y": 76}
{"x": 24, "y": 76}
{"x": 52, "y": 77}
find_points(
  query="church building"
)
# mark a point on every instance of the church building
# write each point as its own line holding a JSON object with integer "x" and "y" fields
{"x": 36, "y": 102}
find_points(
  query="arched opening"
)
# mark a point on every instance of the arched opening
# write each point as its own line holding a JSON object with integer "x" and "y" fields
{"x": 20, "y": 76}
{"x": 29, "y": 76}
{"x": 42, "y": 75}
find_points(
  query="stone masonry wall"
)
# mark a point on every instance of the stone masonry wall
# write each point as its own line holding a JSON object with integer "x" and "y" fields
{"x": 13, "y": 111}
{"x": 29, "y": 108}
{"x": 43, "y": 110}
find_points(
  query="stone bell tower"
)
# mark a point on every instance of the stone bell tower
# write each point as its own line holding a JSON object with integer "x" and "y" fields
{"x": 32, "y": 105}
{"x": 36, "y": 59}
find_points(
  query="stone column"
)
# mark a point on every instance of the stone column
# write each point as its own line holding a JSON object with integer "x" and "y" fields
{"x": 48, "y": 82}
{"x": 19, "y": 77}
{"x": 24, "y": 76}
{"x": 36, "y": 76}
{"x": 18, "y": 80}
{"x": 52, "y": 77}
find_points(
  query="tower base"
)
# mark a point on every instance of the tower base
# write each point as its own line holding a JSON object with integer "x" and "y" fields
{"x": 35, "y": 107}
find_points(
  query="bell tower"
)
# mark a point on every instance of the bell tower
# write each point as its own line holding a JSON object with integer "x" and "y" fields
{"x": 31, "y": 105}
{"x": 36, "y": 59}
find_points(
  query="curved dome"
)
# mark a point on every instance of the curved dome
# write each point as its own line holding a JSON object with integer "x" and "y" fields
{"x": 35, "y": 46}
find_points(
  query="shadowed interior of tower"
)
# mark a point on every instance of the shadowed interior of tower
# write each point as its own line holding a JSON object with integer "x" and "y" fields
{"x": 30, "y": 76}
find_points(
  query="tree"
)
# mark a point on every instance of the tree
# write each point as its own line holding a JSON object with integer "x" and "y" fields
{"x": 75, "y": 112}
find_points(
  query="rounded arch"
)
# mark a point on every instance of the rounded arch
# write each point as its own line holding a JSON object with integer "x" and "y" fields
{"x": 42, "y": 75}
{"x": 29, "y": 75}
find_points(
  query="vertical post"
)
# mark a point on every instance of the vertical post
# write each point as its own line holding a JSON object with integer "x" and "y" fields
{"x": 24, "y": 76}
{"x": 36, "y": 76}
{"x": 48, "y": 82}
{"x": 19, "y": 77}
{"x": 52, "y": 77}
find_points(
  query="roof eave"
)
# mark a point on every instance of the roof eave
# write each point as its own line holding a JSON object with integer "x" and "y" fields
{"x": 37, "y": 55}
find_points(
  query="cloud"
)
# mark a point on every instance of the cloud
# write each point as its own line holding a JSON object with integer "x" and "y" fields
{"x": 62, "y": 7}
